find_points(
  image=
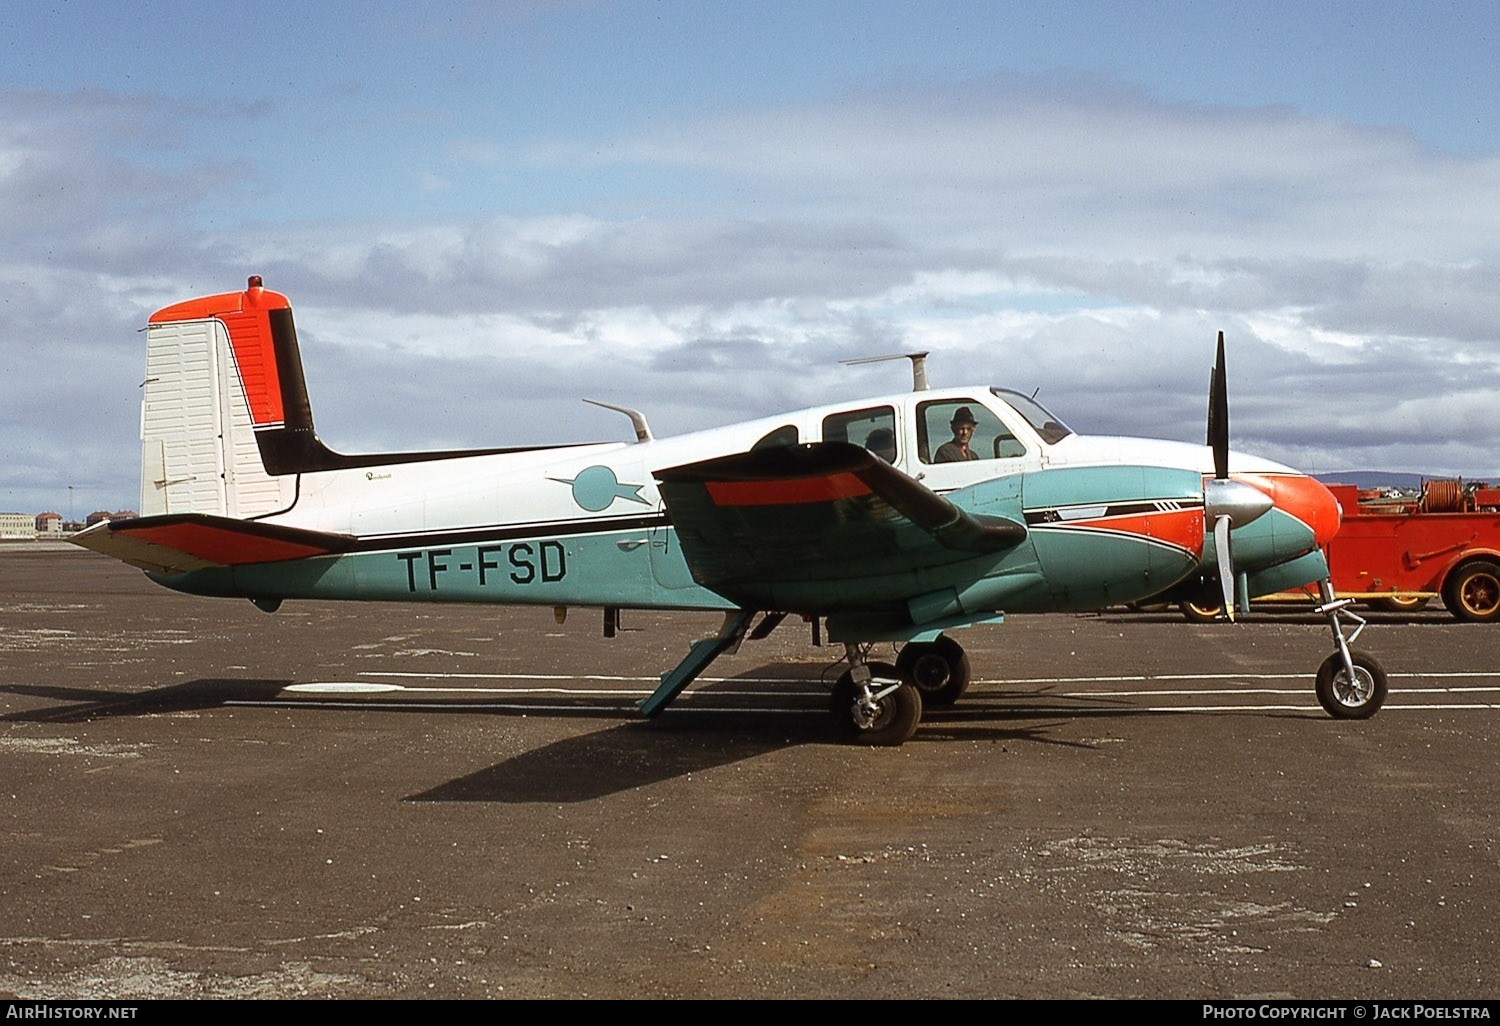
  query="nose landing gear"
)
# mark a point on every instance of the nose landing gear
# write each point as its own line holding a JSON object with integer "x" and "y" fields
{"x": 1351, "y": 685}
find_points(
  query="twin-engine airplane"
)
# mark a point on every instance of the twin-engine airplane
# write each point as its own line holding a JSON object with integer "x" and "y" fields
{"x": 896, "y": 519}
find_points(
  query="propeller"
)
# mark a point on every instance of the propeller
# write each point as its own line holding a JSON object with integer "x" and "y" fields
{"x": 1227, "y": 503}
{"x": 1218, "y": 414}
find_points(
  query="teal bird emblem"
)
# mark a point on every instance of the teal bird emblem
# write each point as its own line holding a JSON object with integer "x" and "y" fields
{"x": 596, "y": 488}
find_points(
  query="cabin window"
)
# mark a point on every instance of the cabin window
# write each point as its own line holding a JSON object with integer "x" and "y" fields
{"x": 874, "y": 428}
{"x": 940, "y": 441}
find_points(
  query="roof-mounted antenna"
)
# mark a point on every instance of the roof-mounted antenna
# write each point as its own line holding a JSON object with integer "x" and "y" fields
{"x": 637, "y": 419}
{"x": 918, "y": 366}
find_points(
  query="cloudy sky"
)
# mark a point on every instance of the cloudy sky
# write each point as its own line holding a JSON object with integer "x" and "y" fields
{"x": 483, "y": 212}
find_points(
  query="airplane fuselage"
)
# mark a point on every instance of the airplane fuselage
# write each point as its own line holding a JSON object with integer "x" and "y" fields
{"x": 1109, "y": 520}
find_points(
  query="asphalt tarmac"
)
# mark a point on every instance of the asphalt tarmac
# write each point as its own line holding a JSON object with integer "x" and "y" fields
{"x": 367, "y": 801}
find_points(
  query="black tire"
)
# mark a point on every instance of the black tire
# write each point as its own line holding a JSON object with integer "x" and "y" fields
{"x": 1198, "y": 611}
{"x": 1339, "y": 699}
{"x": 1472, "y": 591}
{"x": 1399, "y": 604}
{"x": 893, "y": 724}
{"x": 938, "y": 669}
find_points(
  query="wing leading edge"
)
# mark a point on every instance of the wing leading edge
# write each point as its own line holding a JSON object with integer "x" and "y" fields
{"x": 828, "y": 522}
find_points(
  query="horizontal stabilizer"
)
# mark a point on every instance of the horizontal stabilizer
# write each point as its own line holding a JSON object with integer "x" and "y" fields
{"x": 194, "y": 541}
{"x": 822, "y": 512}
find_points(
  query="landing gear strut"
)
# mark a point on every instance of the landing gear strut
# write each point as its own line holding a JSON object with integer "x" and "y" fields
{"x": 1351, "y": 684}
{"x": 872, "y": 703}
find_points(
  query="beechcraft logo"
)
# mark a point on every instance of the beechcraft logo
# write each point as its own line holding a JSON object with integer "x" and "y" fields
{"x": 596, "y": 488}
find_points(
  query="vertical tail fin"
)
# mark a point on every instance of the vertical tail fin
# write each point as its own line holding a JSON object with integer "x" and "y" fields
{"x": 225, "y": 416}
{"x": 226, "y": 425}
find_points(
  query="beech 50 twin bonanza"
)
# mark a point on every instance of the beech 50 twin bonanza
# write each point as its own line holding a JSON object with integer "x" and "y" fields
{"x": 897, "y": 519}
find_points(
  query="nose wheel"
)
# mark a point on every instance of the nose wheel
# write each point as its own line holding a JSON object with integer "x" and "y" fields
{"x": 1351, "y": 684}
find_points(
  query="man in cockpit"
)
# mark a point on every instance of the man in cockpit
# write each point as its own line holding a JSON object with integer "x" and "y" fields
{"x": 963, "y": 425}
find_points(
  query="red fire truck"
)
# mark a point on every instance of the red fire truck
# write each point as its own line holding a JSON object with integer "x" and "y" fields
{"x": 1397, "y": 554}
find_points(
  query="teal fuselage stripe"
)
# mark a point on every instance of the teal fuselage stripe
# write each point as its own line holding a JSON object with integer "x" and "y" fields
{"x": 615, "y": 569}
{"x": 1058, "y": 566}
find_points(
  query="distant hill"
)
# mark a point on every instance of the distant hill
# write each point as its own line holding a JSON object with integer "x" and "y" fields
{"x": 1380, "y": 478}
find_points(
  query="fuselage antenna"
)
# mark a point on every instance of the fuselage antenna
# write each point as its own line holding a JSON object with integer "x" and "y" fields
{"x": 918, "y": 366}
{"x": 637, "y": 419}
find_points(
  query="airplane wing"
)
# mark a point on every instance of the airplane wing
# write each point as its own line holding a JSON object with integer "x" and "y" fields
{"x": 178, "y": 543}
{"x": 823, "y": 516}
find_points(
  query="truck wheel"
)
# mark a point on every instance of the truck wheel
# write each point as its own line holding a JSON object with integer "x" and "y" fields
{"x": 1472, "y": 591}
{"x": 1344, "y": 699}
{"x": 1201, "y": 611}
{"x": 1395, "y": 604}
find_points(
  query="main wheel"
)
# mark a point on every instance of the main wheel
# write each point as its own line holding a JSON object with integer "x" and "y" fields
{"x": 1472, "y": 591}
{"x": 939, "y": 669}
{"x": 1346, "y": 699}
{"x": 894, "y": 717}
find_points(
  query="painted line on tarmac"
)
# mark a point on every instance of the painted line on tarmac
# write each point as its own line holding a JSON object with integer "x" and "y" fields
{"x": 636, "y": 678}
{"x": 523, "y": 707}
{"x": 1311, "y": 707}
{"x": 334, "y": 688}
{"x": 359, "y": 688}
{"x": 981, "y": 680}
{"x": 338, "y": 694}
{"x": 972, "y": 710}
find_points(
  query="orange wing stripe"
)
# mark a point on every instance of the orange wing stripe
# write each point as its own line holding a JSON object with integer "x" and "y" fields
{"x": 786, "y": 493}
{"x": 231, "y": 548}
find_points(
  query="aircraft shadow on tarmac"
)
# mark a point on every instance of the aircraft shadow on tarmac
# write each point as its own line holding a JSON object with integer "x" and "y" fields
{"x": 85, "y": 704}
{"x": 617, "y": 759}
{"x": 620, "y": 758}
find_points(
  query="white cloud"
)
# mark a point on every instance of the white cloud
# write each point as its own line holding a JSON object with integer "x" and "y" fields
{"x": 1059, "y": 168}
{"x": 1076, "y": 237}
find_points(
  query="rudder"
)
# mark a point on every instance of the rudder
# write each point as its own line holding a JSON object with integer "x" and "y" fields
{"x": 216, "y": 380}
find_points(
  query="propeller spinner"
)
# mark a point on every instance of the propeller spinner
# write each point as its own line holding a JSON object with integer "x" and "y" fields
{"x": 1227, "y": 504}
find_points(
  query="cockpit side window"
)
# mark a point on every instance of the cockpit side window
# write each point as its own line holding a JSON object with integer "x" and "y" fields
{"x": 957, "y": 430}
{"x": 873, "y": 428}
{"x": 1038, "y": 416}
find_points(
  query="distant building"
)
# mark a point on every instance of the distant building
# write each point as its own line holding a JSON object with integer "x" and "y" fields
{"x": 124, "y": 514}
{"x": 49, "y": 523}
{"x": 17, "y": 525}
{"x": 99, "y": 516}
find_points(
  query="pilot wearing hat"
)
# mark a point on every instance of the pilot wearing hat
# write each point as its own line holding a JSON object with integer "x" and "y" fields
{"x": 963, "y": 425}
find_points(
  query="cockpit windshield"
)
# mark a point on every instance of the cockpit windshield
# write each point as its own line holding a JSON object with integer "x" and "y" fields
{"x": 1049, "y": 427}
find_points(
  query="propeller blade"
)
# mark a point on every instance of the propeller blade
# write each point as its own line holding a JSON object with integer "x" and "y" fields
{"x": 1226, "y": 563}
{"x": 1218, "y": 414}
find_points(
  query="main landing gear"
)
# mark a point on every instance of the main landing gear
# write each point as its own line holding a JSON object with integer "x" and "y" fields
{"x": 876, "y": 703}
{"x": 1351, "y": 685}
{"x": 938, "y": 669}
{"x": 872, "y": 704}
